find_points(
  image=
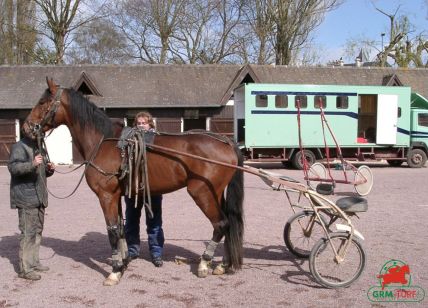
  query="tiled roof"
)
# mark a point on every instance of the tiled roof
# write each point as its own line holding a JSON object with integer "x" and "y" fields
{"x": 417, "y": 79}
{"x": 123, "y": 86}
{"x": 163, "y": 86}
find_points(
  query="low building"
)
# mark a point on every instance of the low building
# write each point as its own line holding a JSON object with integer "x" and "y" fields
{"x": 180, "y": 97}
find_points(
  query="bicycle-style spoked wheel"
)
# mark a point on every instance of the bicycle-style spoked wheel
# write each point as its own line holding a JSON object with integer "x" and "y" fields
{"x": 363, "y": 180}
{"x": 317, "y": 172}
{"x": 301, "y": 232}
{"x": 325, "y": 268}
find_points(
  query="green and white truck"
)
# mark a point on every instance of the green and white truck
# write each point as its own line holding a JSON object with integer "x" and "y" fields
{"x": 369, "y": 123}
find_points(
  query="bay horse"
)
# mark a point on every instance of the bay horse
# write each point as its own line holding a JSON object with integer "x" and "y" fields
{"x": 216, "y": 189}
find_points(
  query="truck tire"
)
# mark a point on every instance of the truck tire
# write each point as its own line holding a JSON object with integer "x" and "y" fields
{"x": 297, "y": 161}
{"x": 416, "y": 158}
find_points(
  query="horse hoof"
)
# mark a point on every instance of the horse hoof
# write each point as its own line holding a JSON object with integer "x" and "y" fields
{"x": 113, "y": 279}
{"x": 203, "y": 268}
{"x": 219, "y": 270}
{"x": 202, "y": 273}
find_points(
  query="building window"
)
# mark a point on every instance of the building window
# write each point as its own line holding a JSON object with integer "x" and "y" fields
{"x": 261, "y": 101}
{"x": 342, "y": 102}
{"x": 281, "y": 101}
{"x": 302, "y": 100}
{"x": 423, "y": 119}
{"x": 399, "y": 112}
{"x": 320, "y": 100}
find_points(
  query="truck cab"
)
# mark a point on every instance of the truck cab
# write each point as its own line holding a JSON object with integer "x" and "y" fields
{"x": 417, "y": 154}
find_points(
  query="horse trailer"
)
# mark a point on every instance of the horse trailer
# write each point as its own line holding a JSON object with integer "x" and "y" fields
{"x": 369, "y": 123}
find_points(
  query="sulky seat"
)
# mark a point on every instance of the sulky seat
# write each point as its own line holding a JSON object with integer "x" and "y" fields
{"x": 352, "y": 204}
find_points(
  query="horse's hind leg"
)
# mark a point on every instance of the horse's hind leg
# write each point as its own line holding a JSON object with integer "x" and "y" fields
{"x": 209, "y": 202}
{"x": 208, "y": 255}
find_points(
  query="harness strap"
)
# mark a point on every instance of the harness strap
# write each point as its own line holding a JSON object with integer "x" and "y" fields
{"x": 138, "y": 175}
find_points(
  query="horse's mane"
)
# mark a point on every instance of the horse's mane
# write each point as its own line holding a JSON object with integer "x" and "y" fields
{"x": 88, "y": 114}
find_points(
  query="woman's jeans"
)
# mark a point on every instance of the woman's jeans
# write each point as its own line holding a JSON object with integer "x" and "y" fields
{"x": 154, "y": 226}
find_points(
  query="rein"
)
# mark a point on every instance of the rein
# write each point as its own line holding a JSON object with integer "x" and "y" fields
{"x": 87, "y": 163}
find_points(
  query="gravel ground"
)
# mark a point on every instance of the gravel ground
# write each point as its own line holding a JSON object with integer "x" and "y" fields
{"x": 76, "y": 248}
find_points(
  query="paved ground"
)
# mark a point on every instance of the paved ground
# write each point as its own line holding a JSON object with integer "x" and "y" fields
{"x": 76, "y": 248}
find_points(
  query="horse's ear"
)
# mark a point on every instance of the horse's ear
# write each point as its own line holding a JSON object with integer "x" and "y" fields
{"x": 51, "y": 85}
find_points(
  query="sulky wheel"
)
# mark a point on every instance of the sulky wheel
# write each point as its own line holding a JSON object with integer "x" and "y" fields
{"x": 330, "y": 272}
{"x": 363, "y": 181}
{"x": 316, "y": 171}
{"x": 301, "y": 232}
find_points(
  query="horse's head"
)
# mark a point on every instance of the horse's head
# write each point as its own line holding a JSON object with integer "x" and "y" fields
{"x": 405, "y": 269}
{"x": 47, "y": 114}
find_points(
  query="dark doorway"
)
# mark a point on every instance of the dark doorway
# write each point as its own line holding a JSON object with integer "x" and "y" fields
{"x": 195, "y": 124}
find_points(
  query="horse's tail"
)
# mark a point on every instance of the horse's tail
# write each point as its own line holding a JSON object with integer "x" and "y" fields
{"x": 233, "y": 209}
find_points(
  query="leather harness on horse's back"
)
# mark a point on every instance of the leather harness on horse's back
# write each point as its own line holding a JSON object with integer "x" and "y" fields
{"x": 132, "y": 144}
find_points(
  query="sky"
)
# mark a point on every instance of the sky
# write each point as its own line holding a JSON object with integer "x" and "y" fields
{"x": 359, "y": 18}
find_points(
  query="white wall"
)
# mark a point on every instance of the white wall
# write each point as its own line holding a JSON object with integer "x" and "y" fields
{"x": 59, "y": 145}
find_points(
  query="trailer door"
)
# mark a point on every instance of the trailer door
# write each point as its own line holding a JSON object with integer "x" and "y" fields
{"x": 387, "y": 112}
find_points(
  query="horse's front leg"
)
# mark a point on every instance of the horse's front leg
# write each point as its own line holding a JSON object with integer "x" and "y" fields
{"x": 113, "y": 216}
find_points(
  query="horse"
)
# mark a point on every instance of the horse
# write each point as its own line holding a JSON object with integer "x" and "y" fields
{"x": 216, "y": 189}
{"x": 396, "y": 274}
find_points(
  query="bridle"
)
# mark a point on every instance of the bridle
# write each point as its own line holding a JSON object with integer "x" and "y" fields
{"x": 48, "y": 118}
{"x": 36, "y": 129}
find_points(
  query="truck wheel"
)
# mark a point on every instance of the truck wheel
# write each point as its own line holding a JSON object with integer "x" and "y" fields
{"x": 416, "y": 158}
{"x": 298, "y": 162}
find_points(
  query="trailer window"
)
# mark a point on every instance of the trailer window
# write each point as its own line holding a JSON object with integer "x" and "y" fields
{"x": 423, "y": 119}
{"x": 320, "y": 100}
{"x": 302, "y": 99}
{"x": 399, "y": 112}
{"x": 281, "y": 101}
{"x": 342, "y": 102}
{"x": 261, "y": 100}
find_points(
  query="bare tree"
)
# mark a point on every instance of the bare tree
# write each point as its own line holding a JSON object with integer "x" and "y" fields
{"x": 257, "y": 44}
{"x": 396, "y": 33}
{"x": 148, "y": 26}
{"x": 98, "y": 42}
{"x": 404, "y": 50}
{"x": 208, "y": 33}
{"x": 26, "y": 34}
{"x": 188, "y": 41}
{"x": 17, "y": 32}
{"x": 405, "y": 45}
{"x": 7, "y": 36}
{"x": 421, "y": 53}
{"x": 59, "y": 19}
{"x": 294, "y": 22}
